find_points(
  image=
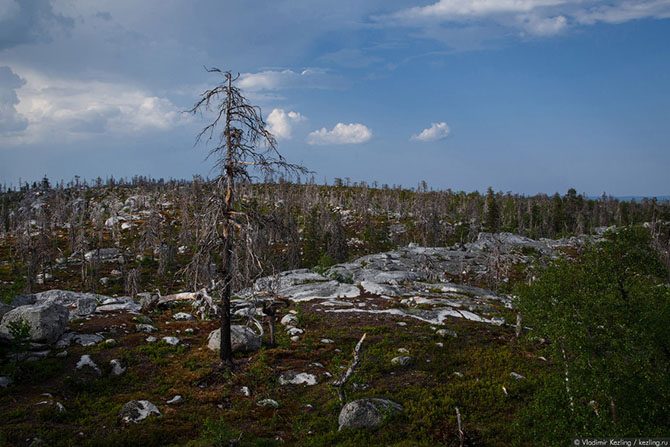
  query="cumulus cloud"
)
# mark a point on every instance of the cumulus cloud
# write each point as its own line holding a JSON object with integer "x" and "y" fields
{"x": 10, "y": 119}
{"x": 436, "y": 131}
{"x": 269, "y": 80}
{"x": 533, "y": 17}
{"x": 281, "y": 123}
{"x": 354, "y": 133}
{"x": 66, "y": 108}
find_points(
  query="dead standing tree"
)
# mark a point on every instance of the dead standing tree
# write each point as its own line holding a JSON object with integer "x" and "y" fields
{"x": 243, "y": 148}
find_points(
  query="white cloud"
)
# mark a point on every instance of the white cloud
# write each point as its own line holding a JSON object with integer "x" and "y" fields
{"x": 436, "y": 131}
{"x": 281, "y": 123}
{"x": 70, "y": 109}
{"x": 284, "y": 79}
{"x": 534, "y": 17}
{"x": 354, "y": 133}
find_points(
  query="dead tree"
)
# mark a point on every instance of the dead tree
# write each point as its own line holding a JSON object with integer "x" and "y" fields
{"x": 242, "y": 149}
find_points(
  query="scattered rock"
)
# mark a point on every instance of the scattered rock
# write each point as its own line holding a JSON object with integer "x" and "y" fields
{"x": 295, "y": 378}
{"x": 403, "y": 351}
{"x": 446, "y": 333}
{"x": 327, "y": 341}
{"x": 289, "y": 320}
{"x": 137, "y": 410}
{"x": 87, "y": 361}
{"x": 110, "y": 342}
{"x": 87, "y": 339}
{"x": 47, "y": 321}
{"x": 183, "y": 316}
{"x": 516, "y": 376}
{"x": 147, "y": 301}
{"x": 143, "y": 327}
{"x": 117, "y": 367}
{"x": 175, "y": 400}
{"x": 268, "y": 403}
{"x": 173, "y": 341}
{"x": 294, "y": 331}
{"x": 151, "y": 339}
{"x": 243, "y": 339}
{"x": 367, "y": 413}
{"x": 401, "y": 361}
{"x": 245, "y": 391}
{"x": 295, "y": 338}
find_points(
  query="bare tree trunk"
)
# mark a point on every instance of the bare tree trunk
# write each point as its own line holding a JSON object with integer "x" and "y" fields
{"x": 227, "y": 267}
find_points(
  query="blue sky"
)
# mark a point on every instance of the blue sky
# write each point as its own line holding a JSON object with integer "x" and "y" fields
{"x": 523, "y": 95}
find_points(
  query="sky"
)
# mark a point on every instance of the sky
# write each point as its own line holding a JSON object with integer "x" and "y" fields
{"x": 525, "y": 96}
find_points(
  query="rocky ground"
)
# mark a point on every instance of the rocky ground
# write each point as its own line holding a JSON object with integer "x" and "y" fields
{"x": 102, "y": 370}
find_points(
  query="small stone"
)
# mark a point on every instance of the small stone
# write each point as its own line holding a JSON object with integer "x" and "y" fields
{"x": 245, "y": 391}
{"x": 151, "y": 339}
{"x": 457, "y": 374}
{"x": 401, "y": 361}
{"x": 401, "y": 323}
{"x": 289, "y": 320}
{"x": 137, "y": 410}
{"x": 110, "y": 342}
{"x": 173, "y": 341}
{"x": 5, "y": 382}
{"x": 60, "y": 407}
{"x": 189, "y": 330}
{"x": 183, "y": 316}
{"x": 295, "y": 338}
{"x": 117, "y": 367}
{"x": 295, "y": 331}
{"x": 439, "y": 344}
{"x": 446, "y": 333}
{"x": 268, "y": 403}
{"x": 87, "y": 361}
{"x": 145, "y": 328}
{"x": 61, "y": 354}
{"x": 403, "y": 351}
{"x": 175, "y": 400}
{"x": 294, "y": 378}
{"x": 516, "y": 376}
{"x": 327, "y": 341}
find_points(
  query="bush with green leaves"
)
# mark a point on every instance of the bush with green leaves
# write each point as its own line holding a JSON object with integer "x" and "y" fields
{"x": 604, "y": 317}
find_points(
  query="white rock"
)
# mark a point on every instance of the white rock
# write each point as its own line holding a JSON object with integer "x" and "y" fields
{"x": 175, "y": 400}
{"x": 268, "y": 403}
{"x": 87, "y": 361}
{"x": 245, "y": 391}
{"x": 151, "y": 339}
{"x": 289, "y": 320}
{"x": 295, "y": 331}
{"x": 516, "y": 376}
{"x": 137, "y": 410}
{"x": 183, "y": 316}
{"x": 293, "y": 378}
{"x": 173, "y": 341}
{"x": 327, "y": 341}
{"x": 117, "y": 367}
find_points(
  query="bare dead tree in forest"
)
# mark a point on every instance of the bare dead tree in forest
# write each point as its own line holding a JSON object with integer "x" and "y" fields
{"x": 242, "y": 149}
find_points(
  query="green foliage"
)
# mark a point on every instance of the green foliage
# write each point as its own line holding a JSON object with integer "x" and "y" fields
{"x": 19, "y": 331}
{"x": 605, "y": 317}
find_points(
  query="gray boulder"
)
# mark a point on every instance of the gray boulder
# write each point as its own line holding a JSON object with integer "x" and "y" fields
{"x": 242, "y": 338}
{"x": 4, "y": 308}
{"x": 367, "y": 413}
{"x": 137, "y": 410}
{"x": 47, "y": 321}
{"x": 80, "y": 304}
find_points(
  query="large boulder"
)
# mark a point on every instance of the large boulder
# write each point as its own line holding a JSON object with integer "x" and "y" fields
{"x": 367, "y": 413}
{"x": 242, "y": 338}
{"x": 47, "y": 321}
